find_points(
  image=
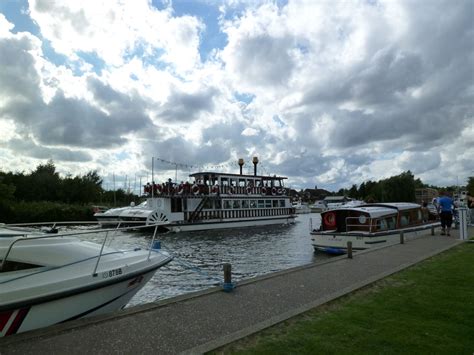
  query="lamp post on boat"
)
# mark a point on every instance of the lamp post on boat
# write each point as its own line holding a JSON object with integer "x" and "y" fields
{"x": 255, "y": 162}
{"x": 241, "y": 164}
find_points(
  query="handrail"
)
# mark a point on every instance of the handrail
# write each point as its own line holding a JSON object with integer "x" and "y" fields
{"x": 46, "y": 235}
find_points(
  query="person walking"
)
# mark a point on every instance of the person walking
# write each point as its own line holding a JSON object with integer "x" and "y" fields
{"x": 445, "y": 210}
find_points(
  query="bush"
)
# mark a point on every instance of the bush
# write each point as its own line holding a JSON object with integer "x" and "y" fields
{"x": 25, "y": 212}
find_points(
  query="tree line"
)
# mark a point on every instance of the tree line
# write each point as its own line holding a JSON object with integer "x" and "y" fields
{"x": 399, "y": 188}
{"x": 43, "y": 195}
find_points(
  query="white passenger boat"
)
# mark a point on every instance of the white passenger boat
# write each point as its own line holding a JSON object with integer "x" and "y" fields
{"x": 214, "y": 201}
{"x": 368, "y": 226}
{"x": 47, "y": 279}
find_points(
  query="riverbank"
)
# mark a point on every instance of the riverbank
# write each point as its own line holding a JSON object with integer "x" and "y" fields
{"x": 206, "y": 320}
{"x": 427, "y": 308}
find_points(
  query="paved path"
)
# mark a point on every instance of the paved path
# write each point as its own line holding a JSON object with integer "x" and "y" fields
{"x": 205, "y": 320}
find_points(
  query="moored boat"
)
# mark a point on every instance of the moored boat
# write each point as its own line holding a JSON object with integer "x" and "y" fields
{"x": 213, "y": 201}
{"x": 47, "y": 279}
{"x": 368, "y": 226}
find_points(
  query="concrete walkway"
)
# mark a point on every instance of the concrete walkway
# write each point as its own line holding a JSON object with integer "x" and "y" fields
{"x": 205, "y": 320}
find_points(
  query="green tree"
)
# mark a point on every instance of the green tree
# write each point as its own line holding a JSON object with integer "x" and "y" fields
{"x": 470, "y": 186}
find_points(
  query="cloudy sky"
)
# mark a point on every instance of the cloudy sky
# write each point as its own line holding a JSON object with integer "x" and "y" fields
{"x": 328, "y": 93}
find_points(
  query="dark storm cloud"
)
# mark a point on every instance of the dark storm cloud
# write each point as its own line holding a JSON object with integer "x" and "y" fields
{"x": 184, "y": 107}
{"x": 33, "y": 150}
{"x": 63, "y": 121}
{"x": 19, "y": 80}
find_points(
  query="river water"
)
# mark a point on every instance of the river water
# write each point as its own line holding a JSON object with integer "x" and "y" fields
{"x": 199, "y": 256}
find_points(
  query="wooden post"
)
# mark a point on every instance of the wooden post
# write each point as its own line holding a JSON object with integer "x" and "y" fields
{"x": 402, "y": 238}
{"x": 349, "y": 250}
{"x": 228, "y": 285}
{"x": 227, "y": 273}
{"x": 432, "y": 230}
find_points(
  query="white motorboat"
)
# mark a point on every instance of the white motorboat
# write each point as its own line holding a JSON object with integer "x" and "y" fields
{"x": 368, "y": 226}
{"x": 47, "y": 279}
{"x": 300, "y": 207}
{"x": 118, "y": 215}
{"x": 212, "y": 201}
{"x": 318, "y": 206}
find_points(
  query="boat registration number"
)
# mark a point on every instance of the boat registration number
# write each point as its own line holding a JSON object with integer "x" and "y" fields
{"x": 112, "y": 273}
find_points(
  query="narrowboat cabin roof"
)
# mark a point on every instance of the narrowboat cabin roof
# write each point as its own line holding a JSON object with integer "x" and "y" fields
{"x": 259, "y": 177}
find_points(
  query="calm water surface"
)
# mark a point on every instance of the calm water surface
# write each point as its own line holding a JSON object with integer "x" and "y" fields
{"x": 199, "y": 256}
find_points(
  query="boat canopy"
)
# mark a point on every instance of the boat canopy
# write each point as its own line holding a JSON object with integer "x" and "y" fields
{"x": 376, "y": 210}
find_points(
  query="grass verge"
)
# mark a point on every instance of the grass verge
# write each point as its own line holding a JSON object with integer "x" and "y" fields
{"x": 428, "y": 308}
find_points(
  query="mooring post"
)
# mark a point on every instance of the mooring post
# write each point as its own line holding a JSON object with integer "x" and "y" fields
{"x": 402, "y": 238}
{"x": 349, "y": 250}
{"x": 432, "y": 230}
{"x": 228, "y": 285}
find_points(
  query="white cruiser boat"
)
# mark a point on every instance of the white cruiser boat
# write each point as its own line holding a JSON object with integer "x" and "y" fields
{"x": 213, "y": 201}
{"x": 113, "y": 216}
{"x": 368, "y": 226}
{"x": 300, "y": 207}
{"x": 47, "y": 279}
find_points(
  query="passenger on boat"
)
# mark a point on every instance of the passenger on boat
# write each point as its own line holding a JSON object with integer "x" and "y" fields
{"x": 445, "y": 209}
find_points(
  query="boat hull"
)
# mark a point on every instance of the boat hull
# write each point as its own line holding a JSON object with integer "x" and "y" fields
{"x": 100, "y": 300}
{"x": 336, "y": 243}
{"x": 198, "y": 226}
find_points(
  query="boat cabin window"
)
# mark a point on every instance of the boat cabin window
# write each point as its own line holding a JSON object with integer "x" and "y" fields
{"x": 236, "y": 204}
{"x": 176, "y": 205}
{"x": 275, "y": 203}
{"x": 242, "y": 183}
{"x": 261, "y": 204}
{"x": 227, "y": 204}
{"x": 253, "y": 204}
{"x": 16, "y": 266}
{"x": 282, "y": 203}
{"x": 268, "y": 203}
{"x": 245, "y": 204}
{"x": 207, "y": 204}
{"x": 386, "y": 223}
{"x": 218, "y": 204}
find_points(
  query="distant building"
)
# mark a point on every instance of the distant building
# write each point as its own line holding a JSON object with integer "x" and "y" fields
{"x": 425, "y": 195}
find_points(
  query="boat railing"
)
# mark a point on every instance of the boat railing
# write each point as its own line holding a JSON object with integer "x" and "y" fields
{"x": 27, "y": 237}
{"x": 198, "y": 190}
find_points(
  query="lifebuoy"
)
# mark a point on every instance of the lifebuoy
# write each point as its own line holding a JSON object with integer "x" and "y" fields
{"x": 329, "y": 219}
{"x": 249, "y": 190}
{"x": 274, "y": 191}
{"x": 180, "y": 189}
{"x": 158, "y": 189}
{"x": 283, "y": 192}
{"x": 231, "y": 190}
{"x": 215, "y": 189}
{"x": 195, "y": 189}
{"x": 264, "y": 190}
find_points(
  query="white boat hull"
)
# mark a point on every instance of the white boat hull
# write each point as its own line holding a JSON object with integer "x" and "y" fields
{"x": 198, "y": 226}
{"x": 97, "y": 301}
{"x": 336, "y": 243}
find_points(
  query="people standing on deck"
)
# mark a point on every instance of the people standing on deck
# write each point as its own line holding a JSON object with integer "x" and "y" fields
{"x": 445, "y": 210}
